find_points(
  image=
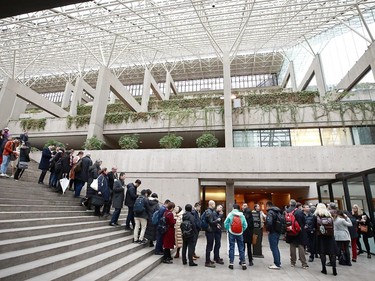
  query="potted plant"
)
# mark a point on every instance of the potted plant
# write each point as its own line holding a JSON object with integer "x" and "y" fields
{"x": 93, "y": 144}
{"x": 171, "y": 141}
{"x": 129, "y": 141}
{"x": 207, "y": 140}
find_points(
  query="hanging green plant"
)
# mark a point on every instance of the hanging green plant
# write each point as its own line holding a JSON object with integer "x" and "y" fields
{"x": 83, "y": 109}
{"x": 171, "y": 141}
{"x": 129, "y": 141}
{"x": 33, "y": 124}
{"x": 93, "y": 143}
{"x": 207, "y": 140}
{"x": 79, "y": 121}
{"x": 55, "y": 143}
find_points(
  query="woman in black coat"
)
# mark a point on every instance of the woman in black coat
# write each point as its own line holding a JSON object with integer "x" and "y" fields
{"x": 248, "y": 233}
{"x": 93, "y": 173}
{"x": 118, "y": 194}
{"x": 363, "y": 221}
{"x": 24, "y": 157}
{"x": 150, "y": 233}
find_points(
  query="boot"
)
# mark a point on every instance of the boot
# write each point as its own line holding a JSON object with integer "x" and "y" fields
{"x": 334, "y": 271}
{"x": 177, "y": 255}
{"x": 324, "y": 270}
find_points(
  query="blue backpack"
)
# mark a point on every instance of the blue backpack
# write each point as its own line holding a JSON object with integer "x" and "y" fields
{"x": 139, "y": 205}
{"x": 155, "y": 217}
{"x": 204, "y": 223}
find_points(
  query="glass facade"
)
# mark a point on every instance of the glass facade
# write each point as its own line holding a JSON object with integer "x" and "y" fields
{"x": 305, "y": 137}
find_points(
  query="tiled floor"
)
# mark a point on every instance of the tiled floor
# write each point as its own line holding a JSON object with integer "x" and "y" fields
{"x": 363, "y": 270}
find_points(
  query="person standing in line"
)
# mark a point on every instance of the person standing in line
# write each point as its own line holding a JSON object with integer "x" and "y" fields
{"x": 178, "y": 232}
{"x": 118, "y": 196}
{"x": 24, "y": 137}
{"x": 150, "y": 233}
{"x": 273, "y": 213}
{"x": 82, "y": 176}
{"x": 159, "y": 236}
{"x": 45, "y": 161}
{"x": 232, "y": 223}
{"x": 112, "y": 177}
{"x": 248, "y": 232}
{"x": 297, "y": 241}
{"x": 103, "y": 190}
{"x": 218, "y": 216}
{"x": 310, "y": 231}
{"x": 353, "y": 235}
{"x": 93, "y": 173}
{"x": 196, "y": 213}
{"x": 130, "y": 197}
{"x": 212, "y": 225}
{"x": 74, "y": 162}
{"x": 9, "y": 153}
{"x": 169, "y": 236}
{"x": 364, "y": 229}
{"x": 24, "y": 157}
{"x": 140, "y": 218}
{"x": 188, "y": 242}
{"x": 342, "y": 236}
{"x": 325, "y": 244}
{"x": 259, "y": 218}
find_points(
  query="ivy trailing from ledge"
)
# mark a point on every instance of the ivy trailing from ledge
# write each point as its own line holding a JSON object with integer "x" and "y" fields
{"x": 78, "y": 121}
{"x": 33, "y": 124}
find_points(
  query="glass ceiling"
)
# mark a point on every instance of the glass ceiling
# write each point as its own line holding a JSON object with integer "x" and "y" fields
{"x": 186, "y": 37}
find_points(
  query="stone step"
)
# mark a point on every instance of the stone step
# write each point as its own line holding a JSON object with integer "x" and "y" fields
{"x": 50, "y": 221}
{"x": 48, "y": 201}
{"x": 13, "y": 233}
{"x": 13, "y": 258}
{"x": 132, "y": 267}
{"x": 42, "y": 214}
{"x": 45, "y": 239}
{"x": 35, "y": 208}
{"x": 70, "y": 264}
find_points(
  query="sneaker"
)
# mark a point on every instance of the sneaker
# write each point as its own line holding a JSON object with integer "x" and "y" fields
{"x": 230, "y": 266}
{"x": 143, "y": 241}
{"x": 244, "y": 267}
{"x": 135, "y": 241}
{"x": 193, "y": 264}
{"x": 292, "y": 265}
{"x": 4, "y": 175}
{"x": 209, "y": 264}
{"x": 305, "y": 266}
{"x": 272, "y": 266}
{"x": 219, "y": 261}
{"x": 251, "y": 263}
{"x": 311, "y": 259}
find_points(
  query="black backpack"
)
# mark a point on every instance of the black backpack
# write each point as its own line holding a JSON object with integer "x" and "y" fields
{"x": 280, "y": 223}
{"x": 162, "y": 226}
{"x": 139, "y": 205}
{"x": 187, "y": 229}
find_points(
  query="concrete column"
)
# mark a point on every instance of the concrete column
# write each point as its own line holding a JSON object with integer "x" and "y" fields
{"x": 146, "y": 91}
{"x": 227, "y": 102}
{"x": 99, "y": 106}
{"x": 229, "y": 195}
{"x": 167, "y": 86}
{"x": 292, "y": 78}
{"x": 112, "y": 98}
{"x": 319, "y": 76}
{"x": 7, "y": 102}
{"x": 19, "y": 107}
{"x": 76, "y": 97}
{"x": 67, "y": 94}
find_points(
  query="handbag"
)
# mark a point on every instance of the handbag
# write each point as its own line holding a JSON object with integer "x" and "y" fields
{"x": 94, "y": 184}
{"x": 97, "y": 200}
{"x": 254, "y": 239}
{"x": 13, "y": 157}
{"x": 363, "y": 228}
{"x": 23, "y": 165}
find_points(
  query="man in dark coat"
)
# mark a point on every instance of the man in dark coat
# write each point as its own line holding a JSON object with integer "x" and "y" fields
{"x": 189, "y": 242}
{"x": 212, "y": 225}
{"x": 117, "y": 198}
{"x": 297, "y": 241}
{"x": 112, "y": 176}
{"x": 82, "y": 176}
{"x": 273, "y": 213}
{"x": 248, "y": 232}
{"x": 130, "y": 197}
{"x": 44, "y": 162}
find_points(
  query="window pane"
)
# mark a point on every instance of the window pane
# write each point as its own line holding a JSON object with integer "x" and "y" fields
{"x": 275, "y": 137}
{"x": 246, "y": 138}
{"x": 363, "y": 135}
{"x": 305, "y": 137}
{"x": 336, "y": 136}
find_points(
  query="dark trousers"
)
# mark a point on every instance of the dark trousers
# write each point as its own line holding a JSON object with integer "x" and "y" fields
{"x": 167, "y": 254}
{"x": 115, "y": 215}
{"x": 217, "y": 239}
{"x": 210, "y": 238}
{"x": 344, "y": 254}
{"x": 249, "y": 252}
{"x": 365, "y": 241}
{"x": 106, "y": 208}
{"x": 188, "y": 245}
{"x": 195, "y": 242}
{"x": 130, "y": 218}
{"x": 78, "y": 184}
{"x": 42, "y": 176}
{"x": 18, "y": 173}
{"x": 159, "y": 242}
{"x": 332, "y": 260}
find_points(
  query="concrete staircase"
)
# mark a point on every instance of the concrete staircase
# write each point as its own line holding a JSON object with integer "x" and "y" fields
{"x": 49, "y": 236}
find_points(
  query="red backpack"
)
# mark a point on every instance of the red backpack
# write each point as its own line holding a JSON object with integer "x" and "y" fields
{"x": 292, "y": 226}
{"x": 236, "y": 226}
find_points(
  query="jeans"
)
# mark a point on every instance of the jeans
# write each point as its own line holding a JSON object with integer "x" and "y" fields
{"x": 217, "y": 246}
{"x": 130, "y": 218}
{"x": 53, "y": 179}
{"x": 232, "y": 240}
{"x": 4, "y": 165}
{"x": 273, "y": 239}
{"x": 78, "y": 187}
{"x": 210, "y": 237}
{"x": 159, "y": 243}
{"x": 115, "y": 215}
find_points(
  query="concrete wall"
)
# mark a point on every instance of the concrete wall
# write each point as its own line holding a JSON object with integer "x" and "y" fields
{"x": 175, "y": 173}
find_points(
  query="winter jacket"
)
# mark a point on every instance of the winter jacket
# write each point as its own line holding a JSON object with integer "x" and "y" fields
{"x": 145, "y": 213}
{"x": 168, "y": 238}
{"x": 131, "y": 195}
{"x": 103, "y": 187}
{"x": 190, "y": 217}
{"x": 271, "y": 218}
{"x": 150, "y": 233}
{"x": 248, "y": 232}
{"x": 118, "y": 194}
{"x": 93, "y": 173}
{"x": 301, "y": 237}
{"x": 83, "y": 174}
{"x": 44, "y": 161}
{"x": 309, "y": 223}
{"x": 197, "y": 220}
{"x": 178, "y": 231}
{"x": 228, "y": 221}
{"x": 341, "y": 228}
{"x": 211, "y": 222}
